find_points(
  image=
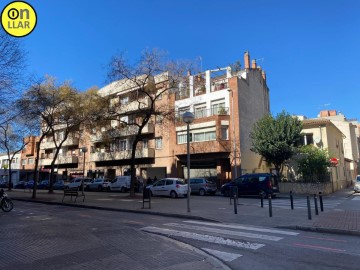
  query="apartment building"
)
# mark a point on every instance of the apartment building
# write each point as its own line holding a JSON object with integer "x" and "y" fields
{"x": 226, "y": 103}
{"x": 350, "y": 144}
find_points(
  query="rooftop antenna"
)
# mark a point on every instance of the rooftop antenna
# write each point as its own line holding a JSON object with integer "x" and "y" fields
{"x": 200, "y": 59}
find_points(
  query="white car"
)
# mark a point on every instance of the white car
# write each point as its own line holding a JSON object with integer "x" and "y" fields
{"x": 120, "y": 183}
{"x": 173, "y": 187}
{"x": 76, "y": 183}
{"x": 98, "y": 184}
{"x": 357, "y": 184}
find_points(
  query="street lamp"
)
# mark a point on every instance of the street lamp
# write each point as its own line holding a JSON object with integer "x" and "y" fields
{"x": 233, "y": 126}
{"x": 84, "y": 150}
{"x": 188, "y": 117}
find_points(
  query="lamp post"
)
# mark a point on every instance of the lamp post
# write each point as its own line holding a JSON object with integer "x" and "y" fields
{"x": 233, "y": 126}
{"x": 188, "y": 117}
{"x": 84, "y": 150}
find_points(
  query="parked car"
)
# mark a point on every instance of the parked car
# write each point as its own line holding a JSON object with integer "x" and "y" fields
{"x": 202, "y": 186}
{"x": 76, "y": 183}
{"x": 20, "y": 185}
{"x": 357, "y": 184}
{"x": 173, "y": 187}
{"x": 99, "y": 184}
{"x": 30, "y": 184}
{"x": 262, "y": 184}
{"x": 4, "y": 184}
{"x": 120, "y": 183}
{"x": 44, "y": 184}
{"x": 59, "y": 185}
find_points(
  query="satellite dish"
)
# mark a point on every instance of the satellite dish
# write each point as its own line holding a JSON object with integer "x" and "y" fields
{"x": 317, "y": 139}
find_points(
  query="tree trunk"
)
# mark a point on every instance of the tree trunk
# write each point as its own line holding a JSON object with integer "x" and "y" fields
{"x": 9, "y": 176}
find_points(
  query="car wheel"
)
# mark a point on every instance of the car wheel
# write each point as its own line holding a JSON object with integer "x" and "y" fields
{"x": 202, "y": 192}
{"x": 173, "y": 194}
{"x": 108, "y": 189}
{"x": 122, "y": 190}
{"x": 99, "y": 188}
{"x": 227, "y": 193}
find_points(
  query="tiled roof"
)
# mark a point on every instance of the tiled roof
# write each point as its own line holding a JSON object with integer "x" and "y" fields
{"x": 316, "y": 121}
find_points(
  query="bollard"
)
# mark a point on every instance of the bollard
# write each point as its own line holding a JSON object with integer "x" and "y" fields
{"x": 291, "y": 200}
{"x": 316, "y": 205}
{"x": 262, "y": 200}
{"x": 321, "y": 202}
{"x": 146, "y": 197}
{"x": 235, "y": 204}
{"x": 308, "y": 206}
{"x": 270, "y": 206}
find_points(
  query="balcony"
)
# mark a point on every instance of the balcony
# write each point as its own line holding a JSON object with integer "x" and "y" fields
{"x": 59, "y": 160}
{"x": 203, "y": 113}
{"x": 140, "y": 104}
{"x": 215, "y": 146}
{"x": 120, "y": 155}
{"x": 123, "y": 132}
{"x": 68, "y": 142}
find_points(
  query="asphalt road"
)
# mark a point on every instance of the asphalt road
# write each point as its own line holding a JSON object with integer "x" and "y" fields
{"x": 36, "y": 236}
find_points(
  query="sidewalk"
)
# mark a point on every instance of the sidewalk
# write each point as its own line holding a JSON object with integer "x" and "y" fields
{"x": 344, "y": 218}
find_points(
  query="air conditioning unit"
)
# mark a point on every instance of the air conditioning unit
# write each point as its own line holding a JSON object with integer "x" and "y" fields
{"x": 114, "y": 123}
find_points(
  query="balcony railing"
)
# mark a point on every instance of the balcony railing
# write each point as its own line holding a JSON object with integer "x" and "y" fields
{"x": 69, "y": 141}
{"x": 143, "y": 103}
{"x": 60, "y": 160}
{"x": 123, "y": 132}
{"x": 202, "y": 113}
{"x": 119, "y": 155}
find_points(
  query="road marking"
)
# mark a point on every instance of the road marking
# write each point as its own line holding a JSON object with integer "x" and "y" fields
{"x": 227, "y": 232}
{"x": 204, "y": 238}
{"x": 327, "y": 239}
{"x": 319, "y": 247}
{"x": 357, "y": 198}
{"x": 225, "y": 256}
{"x": 242, "y": 227}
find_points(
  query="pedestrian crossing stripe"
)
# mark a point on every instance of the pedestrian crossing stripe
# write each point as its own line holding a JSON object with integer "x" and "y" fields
{"x": 204, "y": 238}
{"x": 226, "y": 232}
{"x": 242, "y": 227}
{"x": 225, "y": 256}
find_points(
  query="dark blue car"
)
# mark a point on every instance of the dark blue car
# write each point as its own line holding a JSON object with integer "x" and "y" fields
{"x": 44, "y": 184}
{"x": 262, "y": 184}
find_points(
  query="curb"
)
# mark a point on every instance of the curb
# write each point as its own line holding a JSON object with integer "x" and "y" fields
{"x": 321, "y": 230}
{"x": 120, "y": 210}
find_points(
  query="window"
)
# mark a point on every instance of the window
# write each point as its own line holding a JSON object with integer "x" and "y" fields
{"x": 201, "y": 136}
{"x": 145, "y": 144}
{"x": 158, "y": 143}
{"x": 169, "y": 182}
{"x": 122, "y": 145}
{"x": 218, "y": 107}
{"x": 224, "y": 132}
{"x": 30, "y": 161}
{"x": 23, "y": 162}
{"x": 307, "y": 139}
{"x": 124, "y": 100}
{"x": 200, "y": 110}
{"x": 182, "y": 137}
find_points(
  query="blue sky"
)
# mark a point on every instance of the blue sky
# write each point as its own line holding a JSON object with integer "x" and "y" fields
{"x": 309, "y": 49}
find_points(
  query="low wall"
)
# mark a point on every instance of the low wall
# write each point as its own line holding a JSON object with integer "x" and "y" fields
{"x": 312, "y": 188}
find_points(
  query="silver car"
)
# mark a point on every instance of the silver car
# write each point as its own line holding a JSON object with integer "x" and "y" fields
{"x": 202, "y": 186}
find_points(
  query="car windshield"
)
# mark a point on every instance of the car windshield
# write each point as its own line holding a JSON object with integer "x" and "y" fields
{"x": 358, "y": 178}
{"x": 179, "y": 182}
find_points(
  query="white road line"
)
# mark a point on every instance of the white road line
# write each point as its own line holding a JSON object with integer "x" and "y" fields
{"x": 204, "y": 237}
{"x": 242, "y": 227}
{"x": 225, "y": 256}
{"x": 227, "y": 232}
{"x": 356, "y": 198}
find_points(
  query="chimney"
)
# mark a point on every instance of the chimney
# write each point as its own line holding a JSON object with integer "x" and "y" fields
{"x": 247, "y": 60}
{"x": 253, "y": 64}
{"x": 263, "y": 75}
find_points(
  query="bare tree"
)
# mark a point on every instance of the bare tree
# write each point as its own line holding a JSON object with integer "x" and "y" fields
{"x": 12, "y": 142}
{"x": 12, "y": 65}
{"x": 150, "y": 79}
